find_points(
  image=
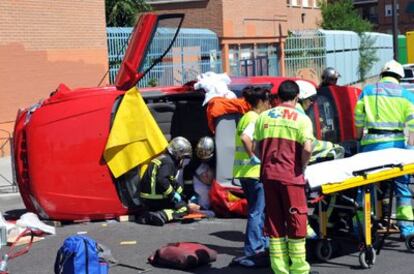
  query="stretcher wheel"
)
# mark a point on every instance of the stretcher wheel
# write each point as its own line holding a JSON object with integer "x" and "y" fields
{"x": 367, "y": 257}
{"x": 409, "y": 243}
{"x": 324, "y": 250}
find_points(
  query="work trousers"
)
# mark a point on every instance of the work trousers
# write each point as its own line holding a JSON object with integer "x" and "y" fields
{"x": 401, "y": 189}
{"x": 254, "y": 241}
{"x": 286, "y": 210}
{"x": 170, "y": 210}
{"x": 286, "y": 219}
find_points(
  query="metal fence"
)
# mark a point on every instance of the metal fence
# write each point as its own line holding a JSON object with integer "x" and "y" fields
{"x": 305, "y": 53}
{"x": 316, "y": 49}
{"x": 195, "y": 51}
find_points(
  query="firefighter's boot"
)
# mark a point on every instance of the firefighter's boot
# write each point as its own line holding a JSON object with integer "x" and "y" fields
{"x": 279, "y": 257}
{"x": 297, "y": 254}
{"x": 157, "y": 218}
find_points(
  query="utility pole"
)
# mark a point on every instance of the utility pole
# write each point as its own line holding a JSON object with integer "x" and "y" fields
{"x": 395, "y": 29}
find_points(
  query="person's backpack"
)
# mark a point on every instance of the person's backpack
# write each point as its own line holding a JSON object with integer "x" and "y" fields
{"x": 80, "y": 255}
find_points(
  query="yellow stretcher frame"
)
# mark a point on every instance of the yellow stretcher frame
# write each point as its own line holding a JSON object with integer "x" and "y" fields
{"x": 367, "y": 255}
{"x": 367, "y": 179}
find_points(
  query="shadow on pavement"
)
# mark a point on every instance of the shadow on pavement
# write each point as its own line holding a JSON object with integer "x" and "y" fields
{"x": 14, "y": 214}
{"x": 229, "y": 250}
{"x": 231, "y": 235}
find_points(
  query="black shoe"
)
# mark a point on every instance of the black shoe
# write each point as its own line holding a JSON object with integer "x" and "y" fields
{"x": 142, "y": 219}
{"x": 155, "y": 218}
{"x": 313, "y": 272}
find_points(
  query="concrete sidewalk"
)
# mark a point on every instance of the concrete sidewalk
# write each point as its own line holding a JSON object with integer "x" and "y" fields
{"x": 6, "y": 176}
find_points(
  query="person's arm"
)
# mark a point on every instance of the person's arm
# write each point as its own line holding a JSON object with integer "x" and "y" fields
{"x": 409, "y": 118}
{"x": 359, "y": 116}
{"x": 307, "y": 139}
{"x": 306, "y": 153}
{"x": 360, "y": 132}
{"x": 164, "y": 178}
{"x": 410, "y": 140}
{"x": 247, "y": 139}
{"x": 257, "y": 149}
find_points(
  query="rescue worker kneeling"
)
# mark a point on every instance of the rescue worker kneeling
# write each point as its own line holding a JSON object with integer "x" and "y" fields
{"x": 160, "y": 192}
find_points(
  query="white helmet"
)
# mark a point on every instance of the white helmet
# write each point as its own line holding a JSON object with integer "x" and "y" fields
{"x": 393, "y": 67}
{"x": 180, "y": 148}
{"x": 205, "y": 148}
{"x": 306, "y": 89}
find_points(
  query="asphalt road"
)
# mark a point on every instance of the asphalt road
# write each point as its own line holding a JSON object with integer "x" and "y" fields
{"x": 223, "y": 235}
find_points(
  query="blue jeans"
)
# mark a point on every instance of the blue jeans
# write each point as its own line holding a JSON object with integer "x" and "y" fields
{"x": 401, "y": 187}
{"x": 255, "y": 241}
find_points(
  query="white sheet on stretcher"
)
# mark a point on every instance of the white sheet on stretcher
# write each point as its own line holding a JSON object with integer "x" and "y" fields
{"x": 337, "y": 171}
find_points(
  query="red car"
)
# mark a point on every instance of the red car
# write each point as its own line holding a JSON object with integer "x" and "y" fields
{"x": 59, "y": 143}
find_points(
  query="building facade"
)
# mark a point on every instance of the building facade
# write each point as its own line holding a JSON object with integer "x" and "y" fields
{"x": 379, "y": 12}
{"x": 44, "y": 43}
{"x": 251, "y": 33}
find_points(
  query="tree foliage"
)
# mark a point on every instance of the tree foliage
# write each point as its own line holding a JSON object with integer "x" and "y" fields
{"x": 124, "y": 13}
{"x": 341, "y": 15}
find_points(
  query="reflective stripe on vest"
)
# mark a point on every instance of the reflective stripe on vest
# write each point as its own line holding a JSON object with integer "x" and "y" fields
{"x": 369, "y": 139}
{"x": 242, "y": 167}
{"x": 384, "y": 106}
{"x": 153, "y": 195}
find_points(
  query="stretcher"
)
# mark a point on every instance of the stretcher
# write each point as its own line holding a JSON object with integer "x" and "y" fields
{"x": 362, "y": 170}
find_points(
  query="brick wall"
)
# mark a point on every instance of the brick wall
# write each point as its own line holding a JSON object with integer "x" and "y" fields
{"x": 202, "y": 14}
{"x": 311, "y": 18}
{"x": 260, "y": 18}
{"x": 405, "y": 19}
{"x": 44, "y": 43}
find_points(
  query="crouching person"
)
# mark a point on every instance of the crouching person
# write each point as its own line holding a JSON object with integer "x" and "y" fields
{"x": 160, "y": 192}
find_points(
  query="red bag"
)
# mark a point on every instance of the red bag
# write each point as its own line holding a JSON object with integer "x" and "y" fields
{"x": 183, "y": 255}
{"x": 227, "y": 201}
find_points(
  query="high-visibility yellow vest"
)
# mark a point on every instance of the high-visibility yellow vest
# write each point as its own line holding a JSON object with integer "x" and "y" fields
{"x": 385, "y": 106}
{"x": 242, "y": 167}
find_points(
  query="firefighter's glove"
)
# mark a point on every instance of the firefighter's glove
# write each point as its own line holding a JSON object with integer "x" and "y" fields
{"x": 254, "y": 160}
{"x": 177, "y": 197}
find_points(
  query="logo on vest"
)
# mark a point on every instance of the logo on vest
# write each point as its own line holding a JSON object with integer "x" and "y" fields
{"x": 285, "y": 114}
{"x": 274, "y": 114}
{"x": 290, "y": 114}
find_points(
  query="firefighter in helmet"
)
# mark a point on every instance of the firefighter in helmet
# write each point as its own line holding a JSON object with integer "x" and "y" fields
{"x": 329, "y": 77}
{"x": 204, "y": 174}
{"x": 160, "y": 191}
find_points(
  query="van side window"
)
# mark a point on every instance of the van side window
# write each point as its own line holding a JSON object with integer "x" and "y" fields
{"x": 328, "y": 117}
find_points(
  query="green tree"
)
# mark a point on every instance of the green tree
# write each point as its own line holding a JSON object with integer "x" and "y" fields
{"x": 341, "y": 15}
{"x": 124, "y": 13}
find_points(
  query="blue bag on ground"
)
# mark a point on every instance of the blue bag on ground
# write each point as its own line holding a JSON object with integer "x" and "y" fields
{"x": 80, "y": 255}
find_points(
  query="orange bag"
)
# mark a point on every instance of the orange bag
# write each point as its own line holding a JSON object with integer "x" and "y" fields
{"x": 219, "y": 106}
